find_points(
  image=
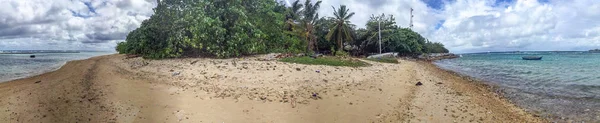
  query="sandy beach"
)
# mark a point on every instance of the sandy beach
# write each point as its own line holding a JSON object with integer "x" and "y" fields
{"x": 115, "y": 89}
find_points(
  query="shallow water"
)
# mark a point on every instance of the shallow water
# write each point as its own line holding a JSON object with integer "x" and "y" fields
{"x": 562, "y": 86}
{"x": 15, "y": 66}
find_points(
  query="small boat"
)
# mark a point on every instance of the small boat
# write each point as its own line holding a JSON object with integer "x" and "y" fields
{"x": 31, "y": 56}
{"x": 532, "y": 57}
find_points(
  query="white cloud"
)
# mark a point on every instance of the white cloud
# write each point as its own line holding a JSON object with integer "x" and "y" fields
{"x": 69, "y": 24}
{"x": 487, "y": 25}
{"x": 478, "y": 26}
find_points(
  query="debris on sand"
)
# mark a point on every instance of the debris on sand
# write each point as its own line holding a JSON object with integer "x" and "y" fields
{"x": 37, "y": 82}
{"x": 315, "y": 96}
{"x": 176, "y": 73}
{"x": 419, "y": 84}
{"x": 128, "y": 56}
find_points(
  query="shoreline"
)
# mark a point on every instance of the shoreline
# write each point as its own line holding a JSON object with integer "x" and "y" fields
{"x": 547, "y": 105}
{"x": 50, "y": 69}
{"x": 100, "y": 88}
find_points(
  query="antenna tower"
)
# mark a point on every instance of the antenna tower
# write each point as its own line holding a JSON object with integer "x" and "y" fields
{"x": 411, "y": 18}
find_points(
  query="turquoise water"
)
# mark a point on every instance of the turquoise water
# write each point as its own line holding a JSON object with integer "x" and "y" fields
{"x": 15, "y": 66}
{"x": 562, "y": 86}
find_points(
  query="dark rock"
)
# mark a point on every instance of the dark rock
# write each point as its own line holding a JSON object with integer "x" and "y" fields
{"x": 297, "y": 69}
{"x": 419, "y": 84}
{"x": 38, "y": 81}
{"x": 194, "y": 62}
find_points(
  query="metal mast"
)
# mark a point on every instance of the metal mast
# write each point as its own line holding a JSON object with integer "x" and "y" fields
{"x": 379, "y": 35}
{"x": 411, "y": 18}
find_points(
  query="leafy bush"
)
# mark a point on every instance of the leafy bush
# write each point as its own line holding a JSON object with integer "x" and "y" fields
{"x": 216, "y": 28}
{"x": 341, "y": 53}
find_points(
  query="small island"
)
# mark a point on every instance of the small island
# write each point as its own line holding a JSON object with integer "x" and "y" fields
{"x": 595, "y": 51}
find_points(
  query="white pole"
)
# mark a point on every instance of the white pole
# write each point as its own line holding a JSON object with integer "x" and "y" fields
{"x": 379, "y": 36}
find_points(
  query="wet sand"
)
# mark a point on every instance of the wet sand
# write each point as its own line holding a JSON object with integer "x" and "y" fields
{"x": 115, "y": 89}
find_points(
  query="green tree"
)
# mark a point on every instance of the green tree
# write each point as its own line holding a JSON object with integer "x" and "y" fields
{"x": 205, "y": 27}
{"x": 369, "y": 37}
{"x": 308, "y": 21}
{"x": 322, "y": 29}
{"x": 394, "y": 38}
{"x": 341, "y": 31}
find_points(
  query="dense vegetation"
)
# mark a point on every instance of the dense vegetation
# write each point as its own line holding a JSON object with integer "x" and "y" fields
{"x": 229, "y": 28}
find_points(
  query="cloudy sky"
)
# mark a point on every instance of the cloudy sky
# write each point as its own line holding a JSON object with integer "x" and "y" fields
{"x": 462, "y": 25}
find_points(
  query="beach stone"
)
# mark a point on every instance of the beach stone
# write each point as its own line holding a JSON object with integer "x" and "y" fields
{"x": 297, "y": 69}
{"x": 37, "y": 82}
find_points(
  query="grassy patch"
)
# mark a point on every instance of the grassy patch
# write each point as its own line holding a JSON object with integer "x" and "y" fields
{"x": 384, "y": 60}
{"x": 330, "y": 61}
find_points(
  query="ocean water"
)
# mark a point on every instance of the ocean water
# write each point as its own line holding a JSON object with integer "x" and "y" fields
{"x": 16, "y": 66}
{"x": 562, "y": 86}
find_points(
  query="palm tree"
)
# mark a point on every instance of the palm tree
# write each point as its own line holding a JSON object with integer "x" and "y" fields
{"x": 341, "y": 32}
{"x": 293, "y": 14}
{"x": 310, "y": 17}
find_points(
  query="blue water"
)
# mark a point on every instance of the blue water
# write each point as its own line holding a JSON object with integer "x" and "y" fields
{"x": 15, "y": 66}
{"x": 562, "y": 86}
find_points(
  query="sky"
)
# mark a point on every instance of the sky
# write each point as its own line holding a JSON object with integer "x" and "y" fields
{"x": 463, "y": 26}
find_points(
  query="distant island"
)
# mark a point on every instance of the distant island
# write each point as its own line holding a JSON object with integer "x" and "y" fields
{"x": 36, "y": 51}
{"x": 595, "y": 51}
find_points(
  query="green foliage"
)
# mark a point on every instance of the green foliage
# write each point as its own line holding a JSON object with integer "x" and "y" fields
{"x": 322, "y": 29}
{"x": 215, "y": 28}
{"x": 341, "y": 53}
{"x": 435, "y": 47}
{"x": 230, "y": 28}
{"x": 394, "y": 38}
{"x": 384, "y": 60}
{"x": 330, "y": 61}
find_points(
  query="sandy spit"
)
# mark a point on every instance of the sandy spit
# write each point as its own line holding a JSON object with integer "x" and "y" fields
{"x": 114, "y": 89}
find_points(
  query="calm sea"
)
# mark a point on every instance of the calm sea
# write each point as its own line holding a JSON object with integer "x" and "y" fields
{"x": 562, "y": 86}
{"x": 15, "y": 66}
